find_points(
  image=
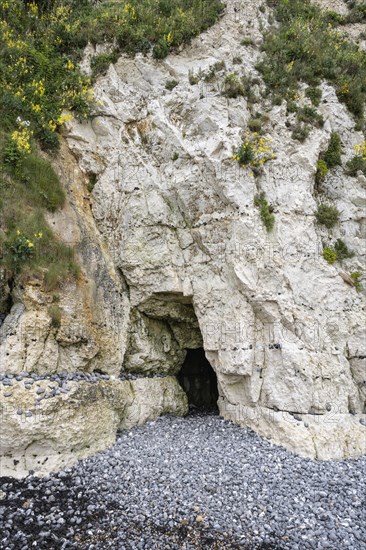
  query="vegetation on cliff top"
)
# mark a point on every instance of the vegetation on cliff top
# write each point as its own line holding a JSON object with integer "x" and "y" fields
{"x": 309, "y": 46}
{"x": 41, "y": 42}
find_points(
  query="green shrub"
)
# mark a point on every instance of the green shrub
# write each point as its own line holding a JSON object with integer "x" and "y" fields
{"x": 356, "y": 276}
{"x": 100, "y": 63}
{"x": 12, "y": 155}
{"x": 332, "y": 156}
{"x": 255, "y": 125}
{"x": 247, "y": 42}
{"x": 171, "y": 84}
{"x": 277, "y": 99}
{"x": 321, "y": 171}
{"x": 339, "y": 252}
{"x": 219, "y": 66}
{"x": 265, "y": 210}
{"x": 254, "y": 152}
{"x": 232, "y": 86}
{"x": 248, "y": 83}
{"x": 161, "y": 49}
{"x": 92, "y": 180}
{"x": 356, "y": 164}
{"x": 193, "y": 78}
{"x": 39, "y": 74}
{"x": 357, "y": 14}
{"x": 21, "y": 249}
{"x": 327, "y": 215}
{"x": 245, "y": 154}
{"x": 342, "y": 250}
{"x": 212, "y": 71}
{"x": 311, "y": 116}
{"x": 258, "y": 123}
{"x": 56, "y": 314}
{"x": 335, "y": 17}
{"x": 329, "y": 255}
{"x": 292, "y": 107}
{"x": 300, "y": 132}
{"x": 314, "y": 94}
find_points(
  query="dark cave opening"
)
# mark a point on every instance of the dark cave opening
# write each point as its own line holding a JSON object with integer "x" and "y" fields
{"x": 199, "y": 381}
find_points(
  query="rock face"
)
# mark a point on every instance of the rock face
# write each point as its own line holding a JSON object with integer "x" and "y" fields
{"x": 47, "y": 434}
{"x": 175, "y": 257}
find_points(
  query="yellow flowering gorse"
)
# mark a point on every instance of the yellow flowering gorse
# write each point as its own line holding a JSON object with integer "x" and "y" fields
{"x": 21, "y": 139}
{"x": 255, "y": 151}
{"x": 360, "y": 149}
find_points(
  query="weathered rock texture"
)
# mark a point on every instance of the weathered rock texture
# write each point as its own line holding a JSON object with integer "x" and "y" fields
{"x": 55, "y": 432}
{"x": 175, "y": 256}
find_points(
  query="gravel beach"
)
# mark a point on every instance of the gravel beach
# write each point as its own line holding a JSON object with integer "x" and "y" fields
{"x": 190, "y": 483}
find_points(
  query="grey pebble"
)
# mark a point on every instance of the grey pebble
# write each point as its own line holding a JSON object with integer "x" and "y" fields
{"x": 148, "y": 489}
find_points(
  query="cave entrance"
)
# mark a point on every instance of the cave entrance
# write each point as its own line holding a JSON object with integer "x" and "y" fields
{"x": 165, "y": 339}
{"x": 198, "y": 380}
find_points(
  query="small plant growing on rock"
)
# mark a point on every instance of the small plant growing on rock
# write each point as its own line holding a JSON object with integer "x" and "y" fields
{"x": 327, "y": 215}
{"x": 355, "y": 165}
{"x": 55, "y": 314}
{"x": 161, "y": 48}
{"x": 329, "y": 254}
{"x": 321, "y": 171}
{"x": 358, "y": 162}
{"x": 258, "y": 123}
{"x": 100, "y": 63}
{"x": 300, "y": 132}
{"x": 357, "y": 13}
{"x": 356, "y": 276}
{"x": 92, "y": 181}
{"x": 311, "y": 116}
{"x": 254, "y": 152}
{"x": 21, "y": 248}
{"x": 171, "y": 84}
{"x": 247, "y": 42}
{"x": 19, "y": 144}
{"x": 265, "y": 210}
{"x": 213, "y": 69}
{"x": 249, "y": 84}
{"x": 332, "y": 156}
{"x": 232, "y": 86}
{"x": 338, "y": 253}
{"x": 292, "y": 107}
{"x": 342, "y": 250}
{"x": 314, "y": 94}
{"x": 255, "y": 125}
{"x": 193, "y": 78}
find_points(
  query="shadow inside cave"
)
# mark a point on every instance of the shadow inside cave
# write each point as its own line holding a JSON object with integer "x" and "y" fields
{"x": 199, "y": 381}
